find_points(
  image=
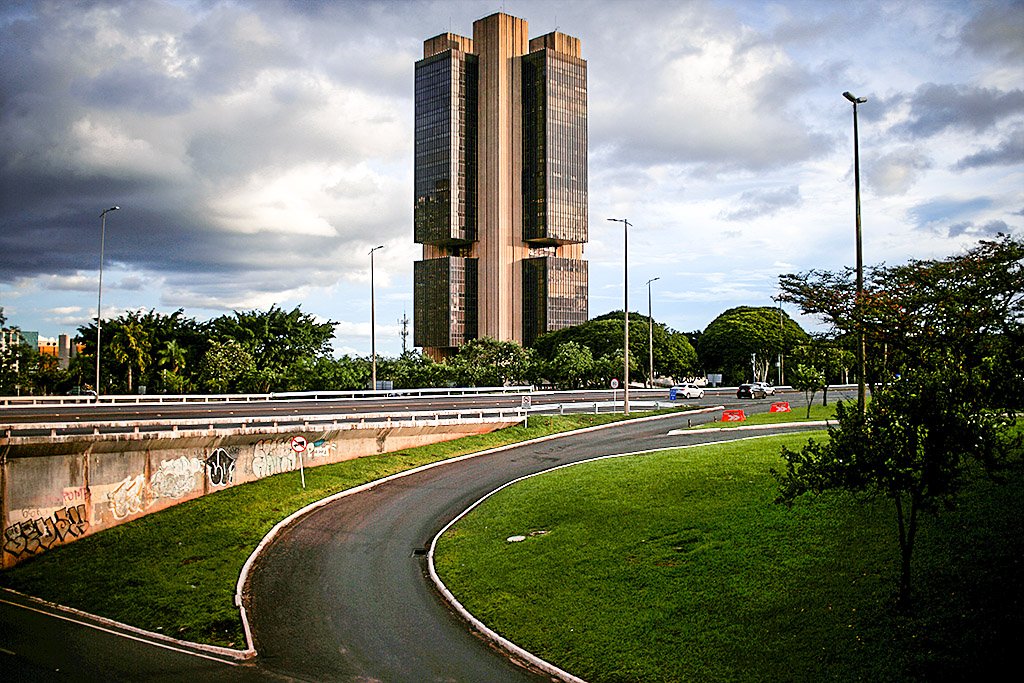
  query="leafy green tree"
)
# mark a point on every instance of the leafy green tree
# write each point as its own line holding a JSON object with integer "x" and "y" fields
{"x": 913, "y": 445}
{"x": 275, "y": 340}
{"x": 808, "y": 379}
{"x": 951, "y": 330}
{"x": 572, "y": 366}
{"x": 486, "y": 362}
{"x": 130, "y": 345}
{"x": 227, "y": 367}
{"x": 734, "y": 338}
{"x": 673, "y": 354}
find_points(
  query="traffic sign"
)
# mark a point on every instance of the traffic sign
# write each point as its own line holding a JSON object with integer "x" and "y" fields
{"x": 298, "y": 443}
{"x": 615, "y": 383}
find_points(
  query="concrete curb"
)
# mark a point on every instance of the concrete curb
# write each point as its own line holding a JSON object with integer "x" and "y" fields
{"x": 243, "y": 578}
{"x": 494, "y": 637}
{"x": 750, "y": 428}
{"x": 224, "y": 655}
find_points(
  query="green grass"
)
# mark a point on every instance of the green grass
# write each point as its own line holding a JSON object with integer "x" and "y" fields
{"x": 174, "y": 572}
{"x": 798, "y": 413}
{"x": 677, "y": 566}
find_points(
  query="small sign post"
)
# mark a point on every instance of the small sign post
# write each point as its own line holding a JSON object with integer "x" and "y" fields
{"x": 615, "y": 385}
{"x": 299, "y": 446}
{"x": 525, "y": 405}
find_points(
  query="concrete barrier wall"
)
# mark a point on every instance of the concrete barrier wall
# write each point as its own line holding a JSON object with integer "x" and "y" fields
{"x": 57, "y": 491}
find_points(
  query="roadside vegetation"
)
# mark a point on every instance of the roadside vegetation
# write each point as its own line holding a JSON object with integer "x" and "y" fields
{"x": 174, "y": 572}
{"x": 677, "y": 566}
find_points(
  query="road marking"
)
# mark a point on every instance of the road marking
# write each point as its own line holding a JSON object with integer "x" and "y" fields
{"x": 80, "y": 622}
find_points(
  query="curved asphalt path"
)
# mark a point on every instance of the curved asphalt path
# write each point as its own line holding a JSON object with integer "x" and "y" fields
{"x": 343, "y": 594}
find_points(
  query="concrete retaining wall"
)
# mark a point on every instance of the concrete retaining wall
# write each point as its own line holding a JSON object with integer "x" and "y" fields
{"x": 57, "y": 491}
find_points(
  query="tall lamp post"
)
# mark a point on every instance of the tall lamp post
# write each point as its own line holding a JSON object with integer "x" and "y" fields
{"x": 861, "y": 363}
{"x": 625, "y": 308}
{"x": 650, "y": 331}
{"x": 99, "y": 295}
{"x": 373, "y": 325}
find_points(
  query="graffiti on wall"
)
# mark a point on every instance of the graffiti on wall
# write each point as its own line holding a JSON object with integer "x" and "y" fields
{"x": 321, "y": 448}
{"x": 175, "y": 478}
{"x": 36, "y": 535}
{"x": 273, "y": 456}
{"x": 220, "y": 468}
{"x": 128, "y": 497}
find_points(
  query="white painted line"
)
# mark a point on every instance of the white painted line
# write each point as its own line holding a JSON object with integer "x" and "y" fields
{"x": 71, "y": 615}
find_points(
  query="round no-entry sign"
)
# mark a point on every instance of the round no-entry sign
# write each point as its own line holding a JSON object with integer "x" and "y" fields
{"x": 298, "y": 443}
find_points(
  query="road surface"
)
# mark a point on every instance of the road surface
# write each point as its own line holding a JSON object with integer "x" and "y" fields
{"x": 341, "y": 594}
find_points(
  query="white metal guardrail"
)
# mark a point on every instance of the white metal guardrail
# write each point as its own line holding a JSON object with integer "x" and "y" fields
{"x": 211, "y": 425}
{"x": 14, "y": 401}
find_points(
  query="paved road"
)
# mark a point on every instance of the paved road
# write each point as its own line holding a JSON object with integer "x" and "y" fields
{"x": 342, "y": 594}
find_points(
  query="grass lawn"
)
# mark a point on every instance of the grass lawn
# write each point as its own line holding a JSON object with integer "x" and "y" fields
{"x": 677, "y": 566}
{"x": 798, "y": 413}
{"x": 174, "y": 572}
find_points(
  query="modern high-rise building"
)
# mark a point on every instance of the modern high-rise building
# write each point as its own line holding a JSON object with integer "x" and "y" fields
{"x": 500, "y": 186}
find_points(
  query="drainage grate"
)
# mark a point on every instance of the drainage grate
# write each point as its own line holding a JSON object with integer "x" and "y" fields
{"x": 419, "y": 552}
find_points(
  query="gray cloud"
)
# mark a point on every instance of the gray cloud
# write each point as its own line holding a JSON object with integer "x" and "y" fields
{"x": 935, "y": 107}
{"x": 763, "y": 203}
{"x": 1009, "y": 151}
{"x": 996, "y": 32}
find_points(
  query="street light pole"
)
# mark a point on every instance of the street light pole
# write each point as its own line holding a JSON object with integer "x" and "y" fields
{"x": 625, "y": 308}
{"x": 373, "y": 326}
{"x": 861, "y": 362}
{"x": 650, "y": 331}
{"x": 99, "y": 295}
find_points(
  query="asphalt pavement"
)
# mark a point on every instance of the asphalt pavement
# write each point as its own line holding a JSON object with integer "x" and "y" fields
{"x": 343, "y": 593}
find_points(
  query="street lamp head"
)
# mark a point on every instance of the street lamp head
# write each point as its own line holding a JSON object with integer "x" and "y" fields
{"x": 106, "y": 211}
{"x": 380, "y": 246}
{"x": 855, "y": 100}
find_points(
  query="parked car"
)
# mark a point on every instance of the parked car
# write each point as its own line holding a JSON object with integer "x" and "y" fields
{"x": 688, "y": 390}
{"x": 769, "y": 390}
{"x": 754, "y": 390}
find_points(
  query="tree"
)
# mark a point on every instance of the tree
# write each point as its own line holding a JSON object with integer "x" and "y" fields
{"x": 487, "y": 362}
{"x": 913, "y": 445}
{"x": 275, "y": 340}
{"x": 226, "y": 367}
{"x": 603, "y": 336}
{"x": 808, "y": 379}
{"x": 130, "y": 345}
{"x": 572, "y": 366}
{"x": 951, "y": 330}
{"x": 745, "y": 334}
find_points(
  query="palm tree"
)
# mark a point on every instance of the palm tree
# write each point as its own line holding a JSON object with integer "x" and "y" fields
{"x": 130, "y": 345}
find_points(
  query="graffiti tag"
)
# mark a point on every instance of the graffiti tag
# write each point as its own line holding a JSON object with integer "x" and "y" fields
{"x": 175, "y": 478}
{"x": 128, "y": 498}
{"x": 220, "y": 468}
{"x": 36, "y": 535}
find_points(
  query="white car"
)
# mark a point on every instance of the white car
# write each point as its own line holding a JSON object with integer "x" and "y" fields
{"x": 688, "y": 391}
{"x": 769, "y": 390}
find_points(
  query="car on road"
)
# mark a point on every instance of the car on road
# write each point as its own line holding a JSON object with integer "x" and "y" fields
{"x": 769, "y": 390}
{"x": 751, "y": 390}
{"x": 687, "y": 390}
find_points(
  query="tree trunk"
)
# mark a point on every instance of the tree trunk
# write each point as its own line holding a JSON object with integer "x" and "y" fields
{"x": 907, "y": 531}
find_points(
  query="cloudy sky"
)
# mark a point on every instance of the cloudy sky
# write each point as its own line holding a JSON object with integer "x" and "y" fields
{"x": 258, "y": 150}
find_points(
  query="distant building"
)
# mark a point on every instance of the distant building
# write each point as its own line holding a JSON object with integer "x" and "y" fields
{"x": 500, "y": 186}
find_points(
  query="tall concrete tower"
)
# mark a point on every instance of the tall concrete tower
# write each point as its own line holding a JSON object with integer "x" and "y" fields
{"x": 500, "y": 186}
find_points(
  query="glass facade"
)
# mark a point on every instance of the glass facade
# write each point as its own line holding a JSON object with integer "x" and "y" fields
{"x": 554, "y": 295}
{"x": 445, "y": 149}
{"x": 478, "y": 241}
{"x": 444, "y": 302}
{"x": 554, "y": 148}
